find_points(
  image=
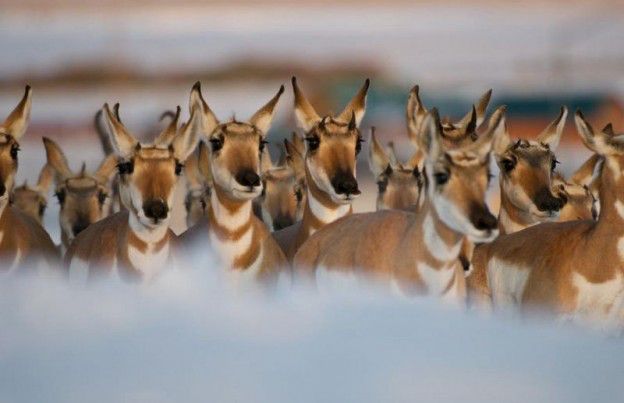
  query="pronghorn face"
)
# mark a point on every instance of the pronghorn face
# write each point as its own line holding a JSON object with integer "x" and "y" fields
{"x": 399, "y": 185}
{"x": 332, "y": 145}
{"x": 149, "y": 174}
{"x": 526, "y": 171}
{"x": 33, "y": 200}
{"x": 196, "y": 205}
{"x": 457, "y": 181}
{"x": 282, "y": 197}
{"x": 580, "y": 201}
{"x": 83, "y": 197}
{"x": 235, "y": 147}
{"x": 11, "y": 131}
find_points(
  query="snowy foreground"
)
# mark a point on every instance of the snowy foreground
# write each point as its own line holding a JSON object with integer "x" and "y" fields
{"x": 186, "y": 339}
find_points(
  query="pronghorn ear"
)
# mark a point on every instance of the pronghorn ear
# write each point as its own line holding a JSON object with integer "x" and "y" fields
{"x": 266, "y": 164}
{"x": 294, "y": 159}
{"x": 209, "y": 120}
{"x": 168, "y": 134}
{"x": 608, "y": 130}
{"x": 378, "y": 160}
{"x": 297, "y": 142}
{"x": 431, "y": 137}
{"x": 106, "y": 170}
{"x": 57, "y": 160}
{"x": 45, "y": 179}
{"x": 356, "y": 107}
{"x": 392, "y": 155}
{"x": 552, "y": 134}
{"x": 17, "y": 122}
{"x": 480, "y": 108}
{"x": 491, "y": 139}
{"x": 188, "y": 136}
{"x": 203, "y": 163}
{"x": 585, "y": 174}
{"x": 304, "y": 112}
{"x": 102, "y": 132}
{"x": 469, "y": 126}
{"x": 123, "y": 142}
{"x": 264, "y": 116}
{"x": 595, "y": 142}
{"x": 416, "y": 161}
{"x": 416, "y": 114}
{"x": 498, "y": 123}
{"x": 191, "y": 171}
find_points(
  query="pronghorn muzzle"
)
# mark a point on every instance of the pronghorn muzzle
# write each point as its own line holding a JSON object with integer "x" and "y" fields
{"x": 155, "y": 209}
{"x": 547, "y": 202}
{"x": 344, "y": 183}
{"x": 482, "y": 219}
{"x": 248, "y": 178}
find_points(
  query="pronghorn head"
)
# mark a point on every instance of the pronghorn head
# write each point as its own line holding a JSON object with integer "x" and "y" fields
{"x": 456, "y": 134}
{"x": 609, "y": 146}
{"x": 457, "y": 179}
{"x": 82, "y": 196}
{"x": 581, "y": 203}
{"x": 235, "y": 147}
{"x": 283, "y": 191}
{"x": 33, "y": 200}
{"x": 11, "y": 131}
{"x": 526, "y": 168}
{"x": 198, "y": 185}
{"x": 399, "y": 185}
{"x": 332, "y": 144}
{"x": 149, "y": 173}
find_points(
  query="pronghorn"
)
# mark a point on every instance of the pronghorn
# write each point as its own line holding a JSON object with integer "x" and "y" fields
{"x": 84, "y": 198}
{"x": 281, "y": 203}
{"x": 241, "y": 241}
{"x": 415, "y": 253}
{"x": 580, "y": 199}
{"x": 573, "y": 270}
{"x": 332, "y": 144}
{"x": 136, "y": 244}
{"x": 33, "y": 200}
{"x": 399, "y": 184}
{"x": 24, "y": 244}
{"x": 526, "y": 168}
{"x": 198, "y": 185}
{"x": 456, "y": 134}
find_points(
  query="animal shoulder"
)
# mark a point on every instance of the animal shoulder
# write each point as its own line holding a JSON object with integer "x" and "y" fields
{"x": 99, "y": 238}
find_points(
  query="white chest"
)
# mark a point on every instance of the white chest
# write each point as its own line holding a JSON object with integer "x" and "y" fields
{"x": 150, "y": 262}
{"x": 229, "y": 250}
{"x": 437, "y": 281}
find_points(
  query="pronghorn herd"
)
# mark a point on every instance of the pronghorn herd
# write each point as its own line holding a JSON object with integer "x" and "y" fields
{"x": 292, "y": 221}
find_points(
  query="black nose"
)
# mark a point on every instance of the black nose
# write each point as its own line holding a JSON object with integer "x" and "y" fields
{"x": 282, "y": 221}
{"x": 248, "y": 178}
{"x": 80, "y": 226}
{"x": 545, "y": 201}
{"x": 344, "y": 183}
{"x": 482, "y": 219}
{"x": 156, "y": 209}
{"x": 2, "y": 189}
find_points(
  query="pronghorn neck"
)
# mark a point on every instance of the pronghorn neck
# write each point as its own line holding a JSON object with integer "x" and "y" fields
{"x": 511, "y": 219}
{"x": 232, "y": 231}
{"x": 443, "y": 244}
{"x": 611, "y": 216}
{"x": 320, "y": 209}
{"x": 149, "y": 236}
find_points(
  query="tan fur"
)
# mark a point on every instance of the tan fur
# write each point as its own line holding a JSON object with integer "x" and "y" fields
{"x": 417, "y": 253}
{"x": 33, "y": 200}
{"x": 564, "y": 264}
{"x": 24, "y": 244}
{"x": 198, "y": 185}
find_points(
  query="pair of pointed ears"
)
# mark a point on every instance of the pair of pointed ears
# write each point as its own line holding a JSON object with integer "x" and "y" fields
{"x": 416, "y": 113}
{"x": 604, "y": 143}
{"x": 307, "y": 117}
{"x": 431, "y": 139}
{"x": 17, "y": 122}
{"x": 262, "y": 119}
{"x": 197, "y": 168}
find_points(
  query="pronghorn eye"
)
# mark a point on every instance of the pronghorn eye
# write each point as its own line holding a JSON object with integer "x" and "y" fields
{"x": 216, "y": 143}
{"x": 441, "y": 177}
{"x": 299, "y": 195}
{"x": 508, "y": 164}
{"x": 125, "y": 168}
{"x": 14, "y": 150}
{"x": 262, "y": 144}
{"x": 358, "y": 145}
{"x": 313, "y": 142}
{"x": 178, "y": 168}
{"x": 42, "y": 209}
{"x": 102, "y": 197}
{"x": 553, "y": 164}
{"x": 60, "y": 195}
